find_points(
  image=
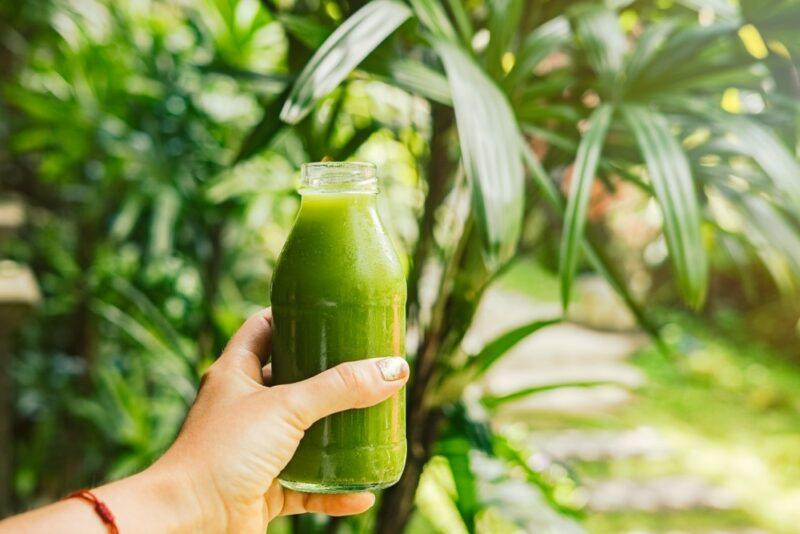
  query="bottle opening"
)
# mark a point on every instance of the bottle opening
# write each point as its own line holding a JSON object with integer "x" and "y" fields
{"x": 338, "y": 177}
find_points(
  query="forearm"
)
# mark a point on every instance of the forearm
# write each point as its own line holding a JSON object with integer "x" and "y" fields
{"x": 154, "y": 501}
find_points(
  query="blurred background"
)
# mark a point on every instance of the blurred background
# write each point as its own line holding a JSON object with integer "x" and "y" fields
{"x": 634, "y": 163}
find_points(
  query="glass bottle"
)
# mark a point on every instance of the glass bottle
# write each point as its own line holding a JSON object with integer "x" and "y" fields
{"x": 338, "y": 294}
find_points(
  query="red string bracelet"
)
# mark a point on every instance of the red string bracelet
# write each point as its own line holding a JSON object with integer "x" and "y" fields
{"x": 99, "y": 506}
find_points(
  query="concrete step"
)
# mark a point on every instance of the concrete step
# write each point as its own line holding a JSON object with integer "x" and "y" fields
{"x": 669, "y": 493}
{"x": 601, "y": 445}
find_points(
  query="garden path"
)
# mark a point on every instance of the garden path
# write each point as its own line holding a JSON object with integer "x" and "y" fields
{"x": 594, "y": 346}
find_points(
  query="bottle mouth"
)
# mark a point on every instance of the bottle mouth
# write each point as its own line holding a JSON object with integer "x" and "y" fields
{"x": 338, "y": 177}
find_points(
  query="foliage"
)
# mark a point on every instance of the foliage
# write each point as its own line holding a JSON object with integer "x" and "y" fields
{"x": 157, "y": 143}
{"x": 644, "y": 104}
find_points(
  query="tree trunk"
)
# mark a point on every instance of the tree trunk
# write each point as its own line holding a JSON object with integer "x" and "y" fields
{"x": 440, "y": 170}
{"x": 423, "y": 423}
{"x": 398, "y": 501}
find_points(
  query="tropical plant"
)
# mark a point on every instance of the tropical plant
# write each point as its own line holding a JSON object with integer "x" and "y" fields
{"x": 149, "y": 249}
{"x": 156, "y": 191}
{"x": 627, "y": 91}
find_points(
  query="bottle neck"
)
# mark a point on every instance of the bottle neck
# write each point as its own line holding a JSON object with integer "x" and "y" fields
{"x": 338, "y": 178}
{"x": 336, "y": 204}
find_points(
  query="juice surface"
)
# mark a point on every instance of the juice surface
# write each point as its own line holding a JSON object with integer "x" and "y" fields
{"x": 338, "y": 294}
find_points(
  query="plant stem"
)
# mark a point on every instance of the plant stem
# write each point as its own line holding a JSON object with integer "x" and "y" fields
{"x": 398, "y": 501}
{"x": 439, "y": 172}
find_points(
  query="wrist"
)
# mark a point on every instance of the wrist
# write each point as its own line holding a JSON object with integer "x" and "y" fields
{"x": 194, "y": 505}
{"x": 170, "y": 498}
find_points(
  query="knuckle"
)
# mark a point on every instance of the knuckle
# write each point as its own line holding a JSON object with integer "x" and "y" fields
{"x": 294, "y": 411}
{"x": 352, "y": 379}
{"x": 211, "y": 376}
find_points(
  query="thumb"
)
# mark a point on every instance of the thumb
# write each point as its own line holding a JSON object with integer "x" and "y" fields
{"x": 355, "y": 384}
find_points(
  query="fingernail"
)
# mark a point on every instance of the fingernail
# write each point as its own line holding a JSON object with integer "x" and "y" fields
{"x": 393, "y": 368}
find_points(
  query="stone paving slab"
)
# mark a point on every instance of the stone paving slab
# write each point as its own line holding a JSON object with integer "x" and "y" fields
{"x": 672, "y": 493}
{"x": 561, "y": 353}
{"x": 571, "y": 352}
{"x": 506, "y": 377}
{"x": 602, "y": 445}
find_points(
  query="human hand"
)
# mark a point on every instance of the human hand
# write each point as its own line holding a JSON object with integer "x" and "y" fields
{"x": 240, "y": 434}
{"x": 220, "y": 474}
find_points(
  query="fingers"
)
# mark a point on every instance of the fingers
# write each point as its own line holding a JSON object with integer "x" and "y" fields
{"x": 356, "y": 384}
{"x": 249, "y": 347}
{"x": 329, "y": 504}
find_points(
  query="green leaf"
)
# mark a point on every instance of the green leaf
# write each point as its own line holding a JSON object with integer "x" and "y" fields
{"x": 160, "y": 326}
{"x": 162, "y": 224}
{"x": 775, "y": 229}
{"x": 172, "y": 368}
{"x": 418, "y": 78}
{"x": 761, "y": 144}
{"x": 577, "y": 206}
{"x": 353, "y": 41}
{"x": 305, "y": 29}
{"x": 125, "y": 220}
{"x": 538, "y": 45}
{"x": 495, "y": 349}
{"x": 494, "y": 401}
{"x": 651, "y": 41}
{"x": 510, "y": 452}
{"x": 721, "y": 8}
{"x": 263, "y": 133}
{"x": 502, "y": 26}
{"x": 682, "y": 49}
{"x": 356, "y": 141}
{"x": 672, "y": 184}
{"x": 597, "y": 260}
{"x": 452, "y": 385}
{"x": 489, "y": 135}
{"x": 456, "y": 450}
{"x": 775, "y": 239}
{"x": 535, "y": 112}
{"x": 463, "y": 23}
{"x": 434, "y": 18}
{"x": 599, "y": 33}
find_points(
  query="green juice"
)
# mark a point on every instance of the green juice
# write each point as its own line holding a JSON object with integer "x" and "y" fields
{"x": 338, "y": 294}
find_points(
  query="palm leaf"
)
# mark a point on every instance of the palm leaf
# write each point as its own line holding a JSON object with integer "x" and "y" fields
{"x": 503, "y": 21}
{"x": 577, "y": 206}
{"x": 495, "y": 349}
{"x": 353, "y": 41}
{"x": 461, "y": 18}
{"x": 307, "y": 30}
{"x": 758, "y": 142}
{"x": 494, "y": 401}
{"x": 722, "y": 8}
{"x": 262, "y": 134}
{"x": 538, "y": 45}
{"x": 597, "y": 260}
{"x": 673, "y": 187}
{"x": 433, "y": 17}
{"x": 418, "y": 78}
{"x": 488, "y": 133}
{"x": 649, "y": 44}
{"x": 456, "y": 449}
{"x": 681, "y": 49}
{"x": 600, "y": 35}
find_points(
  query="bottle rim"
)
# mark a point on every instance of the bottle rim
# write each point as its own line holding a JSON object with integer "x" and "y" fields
{"x": 338, "y": 177}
